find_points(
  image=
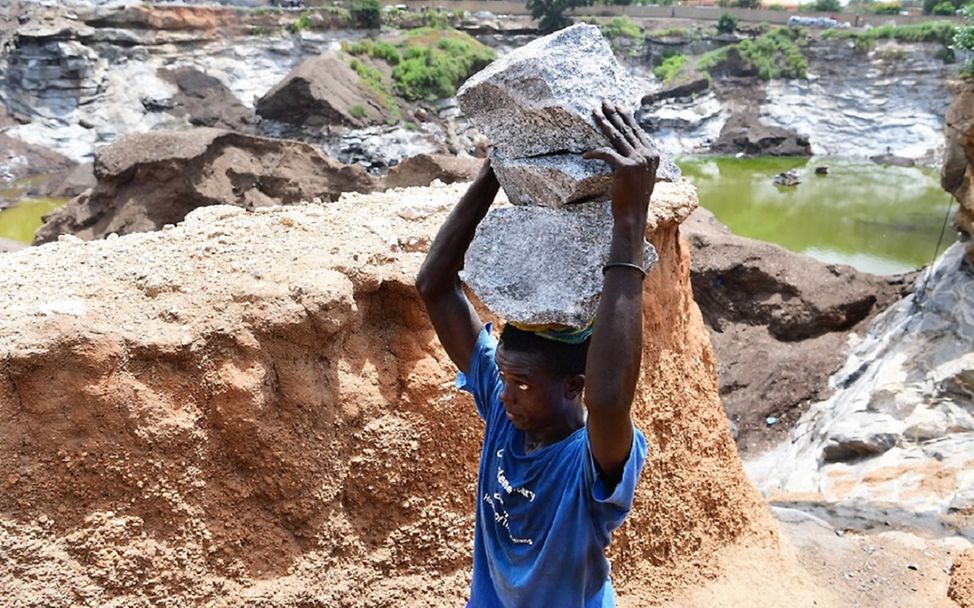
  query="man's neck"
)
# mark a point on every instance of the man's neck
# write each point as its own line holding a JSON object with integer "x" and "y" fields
{"x": 573, "y": 420}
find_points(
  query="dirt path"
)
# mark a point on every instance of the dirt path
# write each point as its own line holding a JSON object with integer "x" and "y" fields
{"x": 885, "y": 570}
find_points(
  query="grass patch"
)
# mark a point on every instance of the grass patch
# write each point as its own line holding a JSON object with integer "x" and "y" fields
{"x": 929, "y": 31}
{"x": 372, "y": 79}
{"x": 621, "y": 27}
{"x": 300, "y": 24}
{"x": 435, "y": 62}
{"x": 670, "y": 67}
{"x": 776, "y": 54}
{"x": 357, "y": 111}
{"x": 674, "y": 32}
{"x": 375, "y": 49}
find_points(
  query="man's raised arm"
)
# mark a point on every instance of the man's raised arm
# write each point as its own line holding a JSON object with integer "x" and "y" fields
{"x": 615, "y": 352}
{"x": 454, "y": 318}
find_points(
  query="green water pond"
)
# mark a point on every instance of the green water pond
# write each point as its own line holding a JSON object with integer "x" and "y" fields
{"x": 879, "y": 219}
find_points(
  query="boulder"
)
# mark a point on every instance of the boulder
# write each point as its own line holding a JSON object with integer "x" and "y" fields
{"x": 537, "y": 265}
{"x": 206, "y": 101}
{"x": 958, "y": 169}
{"x": 423, "y": 169}
{"x": 323, "y": 90}
{"x": 536, "y": 103}
{"x": 539, "y": 98}
{"x": 148, "y": 180}
{"x": 745, "y": 133}
{"x": 779, "y": 323}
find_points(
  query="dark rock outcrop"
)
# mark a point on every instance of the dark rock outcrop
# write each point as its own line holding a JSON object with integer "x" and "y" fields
{"x": 206, "y": 101}
{"x": 323, "y": 90}
{"x": 778, "y": 321}
{"x": 149, "y": 180}
{"x": 744, "y": 132}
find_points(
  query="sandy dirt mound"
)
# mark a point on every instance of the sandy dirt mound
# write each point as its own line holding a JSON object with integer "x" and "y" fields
{"x": 251, "y": 409}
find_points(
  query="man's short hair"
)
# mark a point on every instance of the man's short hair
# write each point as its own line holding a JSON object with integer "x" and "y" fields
{"x": 560, "y": 358}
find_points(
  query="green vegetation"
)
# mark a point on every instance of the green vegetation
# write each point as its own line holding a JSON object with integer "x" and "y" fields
{"x": 300, "y": 24}
{"x": 674, "y": 32}
{"x": 435, "y": 62}
{"x": 670, "y": 67}
{"x": 375, "y": 49}
{"x": 727, "y": 24}
{"x": 366, "y": 13}
{"x": 828, "y": 6}
{"x": 964, "y": 38}
{"x": 621, "y": 27}
{"x": 893, "y": 7}
{"x": 773, "y": 55}
{"x": 357, "y": 111}
{"x": 930, "y": 31}
{"x": 428, "y": 63}
{"x": 372, "y": 79}
{"x": 943, "y": 7}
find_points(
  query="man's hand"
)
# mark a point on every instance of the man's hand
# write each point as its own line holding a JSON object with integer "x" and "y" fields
{"x": 633, "y": 161}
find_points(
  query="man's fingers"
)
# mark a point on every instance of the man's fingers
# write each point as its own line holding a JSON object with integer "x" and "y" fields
{"x": 638, "y": 131}
{"x": 610, "y": 156}
{"x": 620, "y": 120}
{"x": 612, "y": 133}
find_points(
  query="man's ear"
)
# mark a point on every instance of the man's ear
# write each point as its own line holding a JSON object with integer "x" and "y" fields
{"x": 574, "y": 386}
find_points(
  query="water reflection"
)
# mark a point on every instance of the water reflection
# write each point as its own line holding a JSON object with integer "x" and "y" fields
{"x": 878, "y": 219}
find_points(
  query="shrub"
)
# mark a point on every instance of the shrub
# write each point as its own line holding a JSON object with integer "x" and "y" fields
{"x": 944, "y": 8}
{"x": 300, "y": 24}
{"x": 727, "y": 24}
{"x": 621, "y": 27}
{"x": 375, "y": 49}
{"x": 670, "y": 67}
{"x": 435, "y": 63}
{"x": 964, "y": 38}
{"x": 893, "y": 7}
{"x": 747, "y": 3}
{"x": 366, "y": 13}
{"x": 773, "y": 55}
{"x": 776, "y": 7}
{"x": 357, "y": 111}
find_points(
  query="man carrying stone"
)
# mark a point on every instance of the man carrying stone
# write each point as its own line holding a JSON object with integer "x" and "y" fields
{"x": 560, "y": 457}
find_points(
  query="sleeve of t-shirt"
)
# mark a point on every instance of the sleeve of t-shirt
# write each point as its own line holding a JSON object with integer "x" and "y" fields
{"x": 482, "y": 377}
{"x": 610, "y": 508}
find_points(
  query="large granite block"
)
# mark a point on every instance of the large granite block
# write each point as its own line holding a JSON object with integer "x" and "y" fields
{"x": 552, "y": 181}
{"x": 539, "y": 265}
{"x": 539, "y": 99}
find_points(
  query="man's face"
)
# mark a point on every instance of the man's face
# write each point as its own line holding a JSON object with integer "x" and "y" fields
{"x": 532, "y": 396}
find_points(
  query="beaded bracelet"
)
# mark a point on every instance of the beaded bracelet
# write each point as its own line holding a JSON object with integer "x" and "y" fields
{"x": 624, "y": 265}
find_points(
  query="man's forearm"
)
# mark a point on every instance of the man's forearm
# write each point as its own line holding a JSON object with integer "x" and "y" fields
{"x": 445, "y": 258}
{"x": 615, "y": 352}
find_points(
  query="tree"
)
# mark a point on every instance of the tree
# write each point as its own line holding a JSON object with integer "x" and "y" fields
{"x": 727, "y": 24}
{"x": 366, "y": 13}
{"x": 551, "y": 13}
{"x": 828, "y": 6}
{"x": 747, "y": 3}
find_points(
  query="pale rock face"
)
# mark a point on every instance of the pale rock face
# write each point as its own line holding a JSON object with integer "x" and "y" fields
{"x": 551, "y": 180}
{"x": 895, "y": 442}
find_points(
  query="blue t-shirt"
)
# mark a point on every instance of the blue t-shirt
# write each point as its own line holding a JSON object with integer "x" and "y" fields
{"x": 544, "y": 518}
